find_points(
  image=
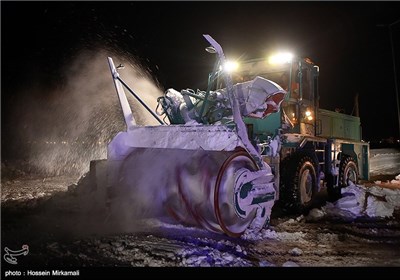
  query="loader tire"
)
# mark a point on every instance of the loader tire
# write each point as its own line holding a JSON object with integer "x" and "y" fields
{"x": 299, "y": 183}
{"x": 348, "y": 171}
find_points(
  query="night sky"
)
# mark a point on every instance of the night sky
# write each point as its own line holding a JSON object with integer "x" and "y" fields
{"x": 39, "y": 38}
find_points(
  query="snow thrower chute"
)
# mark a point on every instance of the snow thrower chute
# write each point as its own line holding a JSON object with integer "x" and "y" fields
{"x": 201, "y": 169}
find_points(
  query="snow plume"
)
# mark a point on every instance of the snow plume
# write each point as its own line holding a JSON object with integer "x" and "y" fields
{"x": 73, "y": 124}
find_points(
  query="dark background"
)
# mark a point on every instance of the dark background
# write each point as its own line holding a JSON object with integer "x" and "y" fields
{"x": 39, "y": 38}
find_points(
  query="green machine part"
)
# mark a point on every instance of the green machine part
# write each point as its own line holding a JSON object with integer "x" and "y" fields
{"x": 337, "y": 125}
{"x": 262, "y": 128}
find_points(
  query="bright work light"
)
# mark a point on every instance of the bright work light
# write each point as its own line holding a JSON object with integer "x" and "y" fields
{"x": 280, "y": 58}
{"x": 230, "y": 66}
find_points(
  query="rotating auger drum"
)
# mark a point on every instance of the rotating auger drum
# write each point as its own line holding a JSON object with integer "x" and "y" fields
{"x": 197, "y": 187}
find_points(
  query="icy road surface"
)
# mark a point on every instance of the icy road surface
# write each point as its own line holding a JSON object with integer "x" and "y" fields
{"x": 43, "y": 213}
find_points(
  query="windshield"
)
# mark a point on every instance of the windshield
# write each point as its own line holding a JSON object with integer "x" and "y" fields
{"x": 280, "y": 77}
{"x": 286, "y": 75}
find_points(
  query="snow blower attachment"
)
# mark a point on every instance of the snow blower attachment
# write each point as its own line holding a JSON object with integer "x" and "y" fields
{"x": 201, "y": 168}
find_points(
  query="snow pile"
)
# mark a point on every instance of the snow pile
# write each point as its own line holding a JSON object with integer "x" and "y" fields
{"x": 273, "y": 235}
{"x": 207, "y": 257}
{"x": 291, "y": 236}
{"x": 266, "y": 264}
{"x": 384, "y": 161}
{"x": 358, "y": 201}
{"x": 259, "y": 235}
{"x": 315, "y": 214}
{"x": 294, "y": 221}
{"x": 290, "y": 264}
{"x": 295, "y": 252}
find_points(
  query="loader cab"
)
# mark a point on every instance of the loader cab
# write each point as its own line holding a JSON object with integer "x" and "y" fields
{"x": 301, "y": 104}
{"x": 300, "y": 79}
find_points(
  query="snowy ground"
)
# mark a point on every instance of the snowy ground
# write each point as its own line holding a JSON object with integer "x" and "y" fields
{"x": 43, "y": 214}
{"x": 384, "y": 162}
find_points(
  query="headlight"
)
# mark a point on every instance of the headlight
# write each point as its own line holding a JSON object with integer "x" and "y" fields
{"x": 230, "y": 66}
{"x": 309, "y": 115}
{"x": 280, "y": 58}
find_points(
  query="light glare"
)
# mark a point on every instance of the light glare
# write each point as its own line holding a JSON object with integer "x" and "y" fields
{"x": 280, "y": 58}
{"x": 231, "y": 66}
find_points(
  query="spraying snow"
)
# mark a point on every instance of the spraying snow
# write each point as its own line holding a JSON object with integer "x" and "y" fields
{"x": 73, "y": 124}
